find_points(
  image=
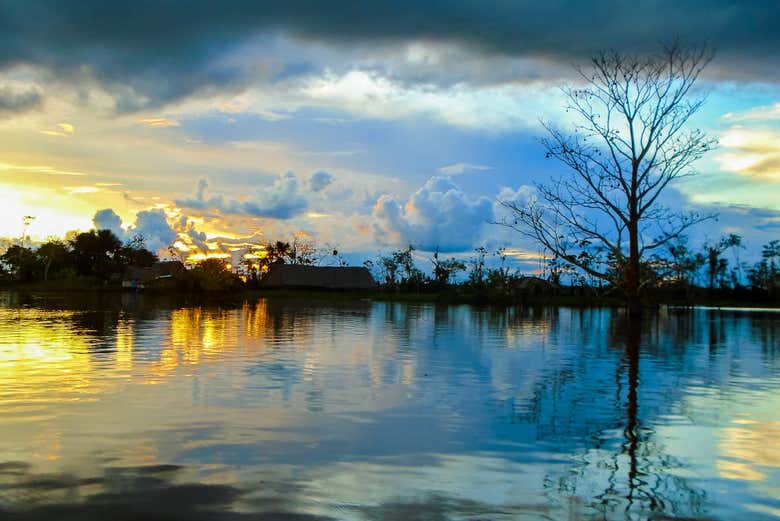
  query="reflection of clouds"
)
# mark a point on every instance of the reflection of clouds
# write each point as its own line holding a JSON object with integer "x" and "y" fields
{"x": 150, "y": 492}
{"x": 753, "y": 444}
{"x": 440, "y": 486}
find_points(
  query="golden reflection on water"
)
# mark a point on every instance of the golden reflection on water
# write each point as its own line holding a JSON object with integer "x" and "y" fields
{"x": 41, "y": 355}
{"x": 193, "y": 336}
{"x": 749, "y": 446}
{"x": 125, "y": 339}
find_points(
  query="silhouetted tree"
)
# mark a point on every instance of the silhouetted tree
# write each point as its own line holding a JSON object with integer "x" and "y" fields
{"x": 21, "y": 263}
{"x": 682, "y": 262}
{"x": 135, "y": 252}
{"x": 96, "y": 252}
{"x": 55, "y": 256}
{"x": 214, "y": 275}
{"x": 444, "y": 270}
{"x": 765, "y": 275}
{"x": 717, "y": 266}
{"x": 626, "y": 149}
{"x": 302, "y": 251}
{"x": 476, "y": 275}
{"x": 276, "y": 253}
{"x": 399, "y": 269}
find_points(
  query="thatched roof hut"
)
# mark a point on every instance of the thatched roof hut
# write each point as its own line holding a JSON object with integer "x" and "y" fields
{"x": 534, "y": 286}
{"x": 318, "y": 277}
{"x": 139, "y": 277}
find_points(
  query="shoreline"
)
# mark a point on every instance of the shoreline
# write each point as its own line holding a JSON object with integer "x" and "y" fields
{"x": 62, "y": 288}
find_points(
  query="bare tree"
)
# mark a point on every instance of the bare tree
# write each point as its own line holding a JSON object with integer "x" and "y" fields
{"x": 628, "y": 145}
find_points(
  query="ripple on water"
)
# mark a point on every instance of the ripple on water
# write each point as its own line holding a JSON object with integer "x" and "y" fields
{"x": 379, "y": 410}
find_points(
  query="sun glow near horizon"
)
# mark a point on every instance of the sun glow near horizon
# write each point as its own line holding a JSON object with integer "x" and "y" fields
{"x": 54, "y": 214}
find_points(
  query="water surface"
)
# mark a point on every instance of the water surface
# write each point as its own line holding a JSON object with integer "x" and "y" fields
{"x": 128, "y": 408}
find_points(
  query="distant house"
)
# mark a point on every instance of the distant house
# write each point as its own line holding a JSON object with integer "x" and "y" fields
{"x": 318, "y": 277}
{"x": 141, "y": 277}
{"x": 534, "y": 286}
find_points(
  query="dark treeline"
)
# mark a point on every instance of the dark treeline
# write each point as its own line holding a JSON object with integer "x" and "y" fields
{"x": 98, "y": 258}
{"x": 96, "y": 254}
{"x": 680, "y": 274}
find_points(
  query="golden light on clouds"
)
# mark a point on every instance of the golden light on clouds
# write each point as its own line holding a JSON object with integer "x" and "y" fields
{"x": 751, "y": 151}
{"x": 195, "y": 258}
{"x": 751, "y": 146}
{"x": 158, "y": 122}
{"x": 81, "y": 189}
{"x": 38, "y": 169}
{"x": 62, "y": 130}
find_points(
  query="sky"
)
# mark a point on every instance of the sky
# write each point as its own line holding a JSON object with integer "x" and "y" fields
{"x": 364, "y": 125}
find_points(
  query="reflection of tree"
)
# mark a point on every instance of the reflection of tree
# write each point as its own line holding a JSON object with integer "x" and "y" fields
{"x": 631, "y": 431}
{"x": 623, "y": 470}
{"x": 766, "y": 328}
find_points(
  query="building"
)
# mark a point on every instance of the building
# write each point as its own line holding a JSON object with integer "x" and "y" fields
{"x": 318, "y": 277}
{"x": 141, "y": 277}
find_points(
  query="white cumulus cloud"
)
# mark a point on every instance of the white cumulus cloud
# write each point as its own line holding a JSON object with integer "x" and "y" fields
{"x": 439, "y": 214}
{"x": 282, "y": 199}
{"x": 152, "y": 225}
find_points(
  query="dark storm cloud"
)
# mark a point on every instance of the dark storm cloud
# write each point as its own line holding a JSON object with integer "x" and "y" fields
{"x": 162, "y": 51}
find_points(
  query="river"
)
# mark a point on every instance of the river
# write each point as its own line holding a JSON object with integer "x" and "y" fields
{"x": 131, "y": 407}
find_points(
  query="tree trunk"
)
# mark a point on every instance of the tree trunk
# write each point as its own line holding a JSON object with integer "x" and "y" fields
{"x": 631, "y": 279}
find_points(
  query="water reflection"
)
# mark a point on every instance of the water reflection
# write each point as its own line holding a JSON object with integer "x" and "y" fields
{"x": 367, "y": 410}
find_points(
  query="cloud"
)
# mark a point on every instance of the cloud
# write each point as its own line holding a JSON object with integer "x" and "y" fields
{"x": 83, "y": 189}
{"x": 373, "y": 94}
{"x": 29, "y": 170}
{"x": 152, "y": 225}
{"x": 320, "y": 180}
{"x": 439, "y": 215}
{"x": 16, "y": 100}
{"x": 523, "y": 195}
{"x": 462, "y": 168}
{"x": 158, "y": 122}
{"x": 63, "y": 130}
{"x": 763, "y": 113}
{"x": 153, "y": 57}
{"x": 108, "y": 219}
{"x": 752, "y": 152}
{"x": 280, "y": 200}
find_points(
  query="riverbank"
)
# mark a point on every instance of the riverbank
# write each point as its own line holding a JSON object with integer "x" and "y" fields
{"x": 567, "y": 297}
